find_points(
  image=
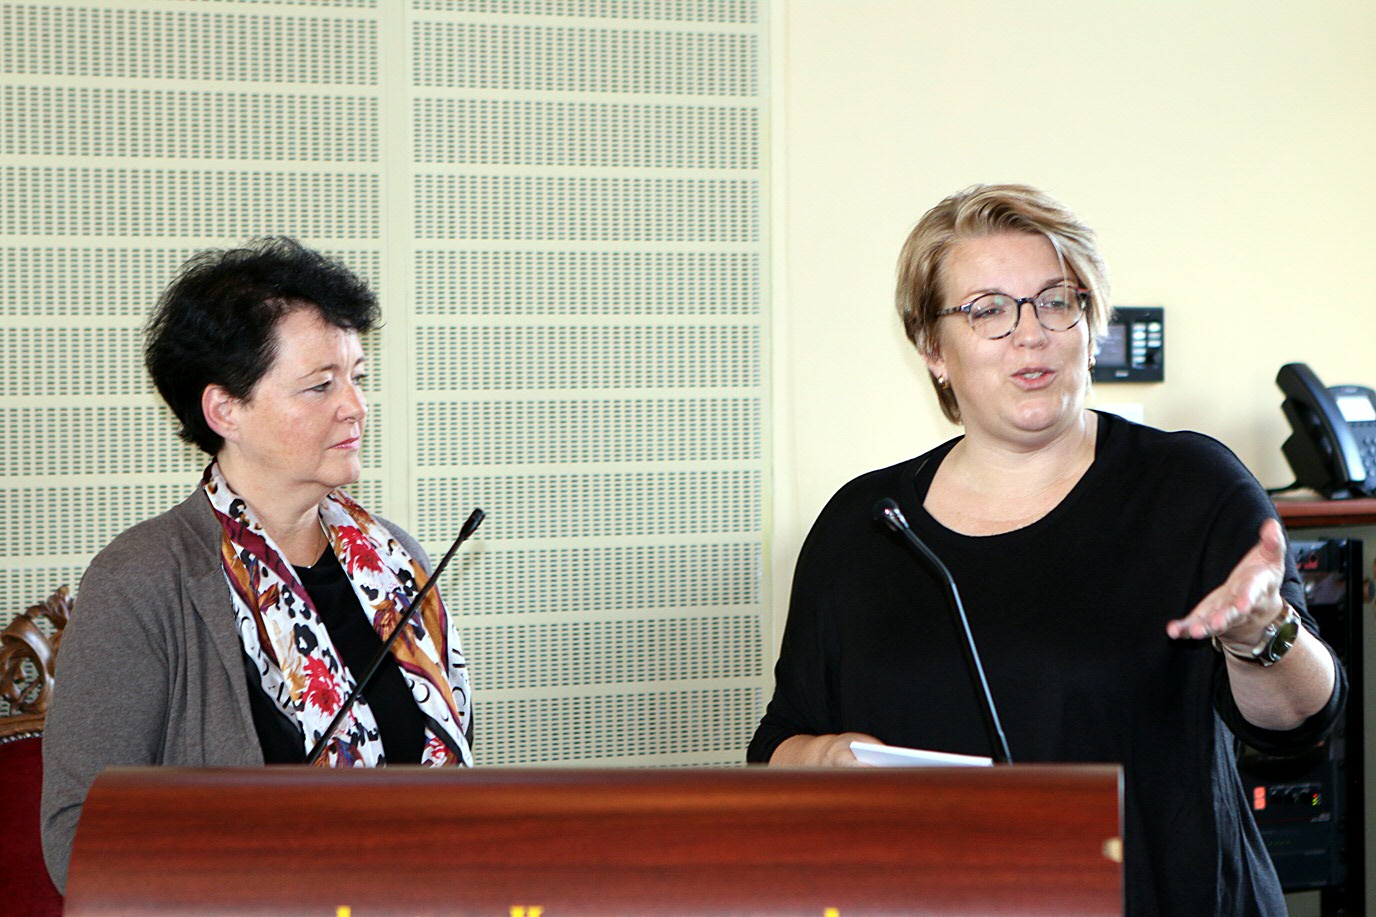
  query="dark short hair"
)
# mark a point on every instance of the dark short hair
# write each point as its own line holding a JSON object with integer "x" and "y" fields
{"x": 214, "y": 324}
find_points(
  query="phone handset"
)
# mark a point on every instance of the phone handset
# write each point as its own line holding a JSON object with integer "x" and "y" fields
{"x": 1323, "y": 451}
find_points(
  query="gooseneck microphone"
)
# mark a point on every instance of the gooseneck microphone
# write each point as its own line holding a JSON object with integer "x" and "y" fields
{"x": 887, "y": 512}
{"x": 469, "y": 527}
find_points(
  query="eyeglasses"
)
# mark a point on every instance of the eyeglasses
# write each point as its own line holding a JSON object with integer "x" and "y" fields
{"x": 996, "y": 315}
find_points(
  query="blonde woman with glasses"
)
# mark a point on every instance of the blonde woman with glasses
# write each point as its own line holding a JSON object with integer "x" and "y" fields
{"x": 1129, "y": 590}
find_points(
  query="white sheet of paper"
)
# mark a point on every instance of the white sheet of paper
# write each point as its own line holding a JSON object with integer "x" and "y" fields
{"x": 897, "y": 756}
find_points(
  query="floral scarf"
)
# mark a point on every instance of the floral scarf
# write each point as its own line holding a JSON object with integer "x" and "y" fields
{"x": 300, "y": 668}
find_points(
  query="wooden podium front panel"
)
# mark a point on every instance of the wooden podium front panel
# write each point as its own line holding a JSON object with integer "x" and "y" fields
{"x": 1027, "y": 839}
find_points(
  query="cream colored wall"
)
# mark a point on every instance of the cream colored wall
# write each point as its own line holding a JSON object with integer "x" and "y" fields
{"x": 1224, "y": 151}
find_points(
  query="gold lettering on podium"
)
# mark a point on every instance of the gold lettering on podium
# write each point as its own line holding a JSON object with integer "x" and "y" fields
{"x": 343, "y": 911}
{"x": 520, "y": 910}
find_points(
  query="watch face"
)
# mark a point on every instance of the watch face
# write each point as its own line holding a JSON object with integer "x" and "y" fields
{"x": 1284, "y": 638}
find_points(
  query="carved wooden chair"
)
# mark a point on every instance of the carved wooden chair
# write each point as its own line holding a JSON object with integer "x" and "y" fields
{"x": 27, "y": 654}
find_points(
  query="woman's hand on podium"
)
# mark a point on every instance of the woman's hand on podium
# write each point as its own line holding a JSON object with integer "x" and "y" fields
{"x": 820, "y": 751}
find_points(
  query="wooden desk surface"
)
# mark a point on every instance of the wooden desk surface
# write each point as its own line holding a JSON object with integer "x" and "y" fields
{"x": 1301, "y": 512}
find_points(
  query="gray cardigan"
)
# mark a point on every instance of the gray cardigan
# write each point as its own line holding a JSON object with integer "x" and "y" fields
{"x": 150, "y": 669}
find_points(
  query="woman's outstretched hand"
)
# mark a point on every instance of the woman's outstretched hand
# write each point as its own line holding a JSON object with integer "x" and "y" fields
{"x": 1238, "y": 611}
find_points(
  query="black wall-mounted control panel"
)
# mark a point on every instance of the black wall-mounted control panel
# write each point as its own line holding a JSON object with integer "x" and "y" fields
{"x": 1135, "y": 348}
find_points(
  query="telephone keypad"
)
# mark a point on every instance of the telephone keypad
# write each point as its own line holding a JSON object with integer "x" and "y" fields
{"x": 1366, "y": 442}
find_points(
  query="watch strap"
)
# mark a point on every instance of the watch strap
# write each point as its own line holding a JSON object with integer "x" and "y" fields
{"x": 1276, "y": 640}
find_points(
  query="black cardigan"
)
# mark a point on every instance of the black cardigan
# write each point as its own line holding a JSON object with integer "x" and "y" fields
{"x": 1069, "y": 614}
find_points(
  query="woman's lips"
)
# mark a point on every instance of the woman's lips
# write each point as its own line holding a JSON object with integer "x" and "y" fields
{"x": 1034, "y": 377}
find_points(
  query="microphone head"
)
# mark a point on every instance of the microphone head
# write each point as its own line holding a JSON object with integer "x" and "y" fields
{"x": 475, "y": 519}
{"x": 887, "y": 512}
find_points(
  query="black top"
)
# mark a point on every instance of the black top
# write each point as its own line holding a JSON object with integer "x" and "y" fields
{"x": 1069, "y": 614}
{"x": 400, "y": 721}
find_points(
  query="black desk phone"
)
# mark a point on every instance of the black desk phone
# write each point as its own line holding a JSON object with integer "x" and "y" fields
{"x": 1333, "y": 446}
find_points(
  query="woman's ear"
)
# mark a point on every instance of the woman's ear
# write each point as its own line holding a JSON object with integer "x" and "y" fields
{"x": 219, "y": 408}
{"x": 935, "y": 364}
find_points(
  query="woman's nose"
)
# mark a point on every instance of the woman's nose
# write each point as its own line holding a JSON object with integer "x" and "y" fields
{"x": 355, "y": 404}
{"x": 1028, "y": 330}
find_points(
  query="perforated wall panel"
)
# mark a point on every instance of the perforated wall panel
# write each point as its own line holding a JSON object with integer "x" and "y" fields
{"x": 498, "y": 132}
{"x": 549, "y": 356}
{"x": 457, "y": 54}
{"x": 541, "y": 655}
{"x": 195, "y": 125}
{"x": 576, "y": 209}
{"x": 204, "y": 41}
{"x": 560, "y": 203}
{"x": 658, "y": 726}
{"x": 557, "y": 283}
{"x": 181, "y": 203}
{"x": 613, "y": 579}
{"x": 712, "y": 11}
{"x": 572, "y": 431}
{"x": 69, "y": 283}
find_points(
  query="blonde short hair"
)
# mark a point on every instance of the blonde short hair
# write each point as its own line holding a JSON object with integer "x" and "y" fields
{"x": 983, "y": 210}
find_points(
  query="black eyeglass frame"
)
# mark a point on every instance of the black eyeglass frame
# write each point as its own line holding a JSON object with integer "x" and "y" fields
{"x": 1081, "y": 294}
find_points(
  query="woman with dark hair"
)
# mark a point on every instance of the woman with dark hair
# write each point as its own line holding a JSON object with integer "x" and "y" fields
{"x": 1095, "y": 557}
{"x": 228, "y": 630}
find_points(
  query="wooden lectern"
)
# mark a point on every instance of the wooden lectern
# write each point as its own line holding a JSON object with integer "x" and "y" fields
{"x": 1027, "y": 839}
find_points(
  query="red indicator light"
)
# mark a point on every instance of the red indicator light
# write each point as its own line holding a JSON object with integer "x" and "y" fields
{"x": 1259, "y": 798}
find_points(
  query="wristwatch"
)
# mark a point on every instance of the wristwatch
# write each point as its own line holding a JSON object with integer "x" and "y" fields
{"x": 1275, "y": 641}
